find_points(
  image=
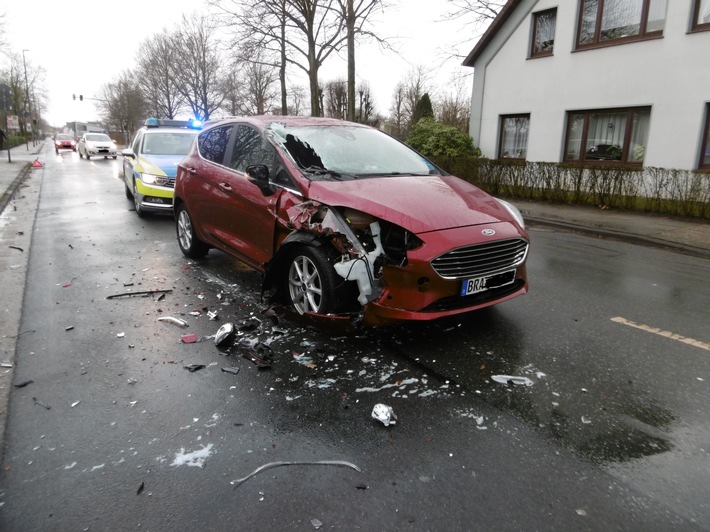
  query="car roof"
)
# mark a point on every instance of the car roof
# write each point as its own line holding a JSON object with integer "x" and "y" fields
{"x": 263, "y": 121}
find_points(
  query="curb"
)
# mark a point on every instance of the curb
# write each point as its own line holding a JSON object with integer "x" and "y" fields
{"x": 10, "y": 192}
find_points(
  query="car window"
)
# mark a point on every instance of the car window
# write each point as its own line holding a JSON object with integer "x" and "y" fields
{"x": 167, "y": 143}
{"x": 136, "y": 143}
{"x": 64, "y": 137}
{"x": 213, "y": 143}
{"x": 251, "y": 148}
{"x": 98, "y": 137}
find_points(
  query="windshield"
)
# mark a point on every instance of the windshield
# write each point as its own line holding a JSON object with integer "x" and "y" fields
{"x": 98, "y": 137}
{"x": 349, "y": 151}
{"x": 64, "y": 137}
{"x": 168, "y": 143}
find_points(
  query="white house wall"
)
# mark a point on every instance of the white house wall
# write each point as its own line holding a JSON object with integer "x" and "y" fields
{"x": 670, "y": 74}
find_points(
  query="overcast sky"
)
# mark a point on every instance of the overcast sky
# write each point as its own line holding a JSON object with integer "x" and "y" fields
{"x": 83, "y": 44}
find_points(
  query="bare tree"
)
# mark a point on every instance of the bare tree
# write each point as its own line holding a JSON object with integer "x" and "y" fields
{"x": 454, "y": 108}
{"x": 157, "y": 62}
{"x": 477, "y": 10}
{"x": 26, "y": 90}
{"x": 258, "y": 91}
{"x": 398, "y": 119}
{"x": 199, "y": 77}
{"x": 335, "y": 99}
{"x": 122, "y": 104}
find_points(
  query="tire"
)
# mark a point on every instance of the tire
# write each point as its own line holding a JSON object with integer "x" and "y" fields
{"x": 114, "y": 157}
{"x": 310, "y": 281}
{"x": 137, "y": 202}
{"x": 81, "y": 156}
{"x": 190, "y": 245}
{"x": 88, "y": 156}
{"x": 129, "y": 194}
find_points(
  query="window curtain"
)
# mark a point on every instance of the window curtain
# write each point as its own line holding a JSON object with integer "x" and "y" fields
{"x": 515, "y": 137}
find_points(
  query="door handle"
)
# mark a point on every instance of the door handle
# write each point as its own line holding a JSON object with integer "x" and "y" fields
{"x": 191, "y": 170}
{"x": 225, "y": 186}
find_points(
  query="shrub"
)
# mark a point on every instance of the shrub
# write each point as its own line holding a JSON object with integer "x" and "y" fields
{"x": 435, "y": 139}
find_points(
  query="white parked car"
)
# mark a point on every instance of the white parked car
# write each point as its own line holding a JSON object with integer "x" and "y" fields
{"x": 96, "y": 145}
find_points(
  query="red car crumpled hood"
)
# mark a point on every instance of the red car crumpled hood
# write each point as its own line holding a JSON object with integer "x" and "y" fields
{"x": 417, "y": 203}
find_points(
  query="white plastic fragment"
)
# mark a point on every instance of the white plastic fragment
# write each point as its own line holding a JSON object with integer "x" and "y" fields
{"x": 384, "y": 414}
{"x": 510, "y": 379}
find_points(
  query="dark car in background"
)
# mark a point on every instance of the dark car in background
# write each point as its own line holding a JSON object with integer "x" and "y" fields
{"x": 344, "y": 219}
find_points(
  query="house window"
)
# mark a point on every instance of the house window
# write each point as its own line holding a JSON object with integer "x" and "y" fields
{"x": 603, "y": 22}
{"x": 607, "y": 135}
{"x": 543, "y": 40}
{"x": 514, "y": 137}
{"x": 701, "y": 15}
{"x": 705, "y": 151}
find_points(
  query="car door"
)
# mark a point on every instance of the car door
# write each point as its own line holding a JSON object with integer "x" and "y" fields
{"x": 129, "y": 163}
{"x": 245, "y": 213}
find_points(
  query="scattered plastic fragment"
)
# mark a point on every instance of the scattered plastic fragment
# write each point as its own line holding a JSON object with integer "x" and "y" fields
{"x": 586, "y": 420}
{"x": 384, "y": 414}
{"x": 69, "y": 328}
{"x": 511, "y": 380}
{"x": 212, "y": 315}
{"x": 192, "y": 368}
{"x": 232, "y": 369}
{"x": 17, "y": 248}
{"x": 189, "y": 338}
{"x": 271, "y": 465}
{"x": 23, "y": 384}
{"x": 145, "y": 293}
{"x": 121, "y": 334}
{"x": 174, "y": 321}
{"x": 193, "y": 459}
{"x": 6, "y": 365}
{"x": 224, "y": 333}
{"x": 39, "y": 403}
{"x": 75, "y": 403}
{"x": 260, "y": 355}
{"x": 316, "y": 523}
{"x": 140, "y": 488}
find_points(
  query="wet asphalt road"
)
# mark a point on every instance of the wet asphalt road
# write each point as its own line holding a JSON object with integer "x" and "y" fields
{"x": 113, "y": 433}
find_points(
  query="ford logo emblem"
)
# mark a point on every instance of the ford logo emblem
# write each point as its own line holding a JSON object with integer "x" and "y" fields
{"x": 488, "y": 232}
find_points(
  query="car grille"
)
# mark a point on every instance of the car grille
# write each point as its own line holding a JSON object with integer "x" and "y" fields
{"x": 481, "y": 259}
{"x": 171, "y": 182}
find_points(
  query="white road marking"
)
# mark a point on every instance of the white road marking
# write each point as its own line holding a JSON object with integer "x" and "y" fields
{"x": 660, "y": 332}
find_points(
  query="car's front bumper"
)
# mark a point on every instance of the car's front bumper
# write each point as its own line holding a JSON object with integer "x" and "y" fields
{"x": 153, "y": 198}
{"x": 98, "y": 152}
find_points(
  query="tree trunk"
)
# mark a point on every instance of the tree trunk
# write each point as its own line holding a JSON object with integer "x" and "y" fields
{"x": 351, "y": 60}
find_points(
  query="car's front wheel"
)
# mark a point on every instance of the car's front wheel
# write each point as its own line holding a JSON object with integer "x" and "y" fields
{"x": 140, "y": 211}
{"x": 311, "y": 281}
{"x": 81, "y": 155}
{"x": 190, "y": 245}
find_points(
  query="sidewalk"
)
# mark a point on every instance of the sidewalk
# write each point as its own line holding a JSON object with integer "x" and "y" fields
{"x": 685, "y": 236}
{"x": 12, "y": 173}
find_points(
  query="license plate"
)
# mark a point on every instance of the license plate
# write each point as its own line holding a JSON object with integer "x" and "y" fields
{"x": 479, "y": 284}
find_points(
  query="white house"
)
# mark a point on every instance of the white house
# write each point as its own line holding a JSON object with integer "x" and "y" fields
{"x": 595, "y": 81}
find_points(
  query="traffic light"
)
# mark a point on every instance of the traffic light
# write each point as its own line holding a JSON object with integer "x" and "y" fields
{"x": 81, "y": 97}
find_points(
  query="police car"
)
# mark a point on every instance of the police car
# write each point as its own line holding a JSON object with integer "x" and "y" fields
{"x": 150, "y": 163}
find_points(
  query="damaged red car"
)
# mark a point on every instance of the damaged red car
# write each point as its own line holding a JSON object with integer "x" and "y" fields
{"x": 343, "y": 219}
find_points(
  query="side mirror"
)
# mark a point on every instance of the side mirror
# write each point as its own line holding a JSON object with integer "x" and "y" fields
{"x": 259, "y": 175}
{"x": 128, "y": 152}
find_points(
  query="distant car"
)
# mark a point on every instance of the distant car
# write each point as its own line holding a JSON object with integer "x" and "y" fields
{"x": 64, "y": 141}
{"x": 344, "y": 219}
{"x": 96, "y": 145}
{"x": 150, "y": 164}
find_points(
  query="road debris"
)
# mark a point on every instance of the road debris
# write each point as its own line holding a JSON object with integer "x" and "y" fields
{"x": 23, "y": 384}
{"x": 140, "y": 488}
{"x": 232, "y": 369}
{"x": 175, "y": 321}
{"x": 512, "y": 380}
{"x": 384, "y": 414}
{"x": 271, "y": 465}
{"x": 69, "y": 328}
{"x": 260, "y": 354}
{"x": 188, "y": 338}
{"x": 192, "y": 368}
{"x": 17, "y": 248}
{"x": 39, "y": 403}
{"x": 145, "y": 293}
{"x": 316, "y": 523}
{"x": 224, "y": 333}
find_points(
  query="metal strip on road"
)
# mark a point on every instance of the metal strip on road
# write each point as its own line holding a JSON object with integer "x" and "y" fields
{"x": 660, "y": 332}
